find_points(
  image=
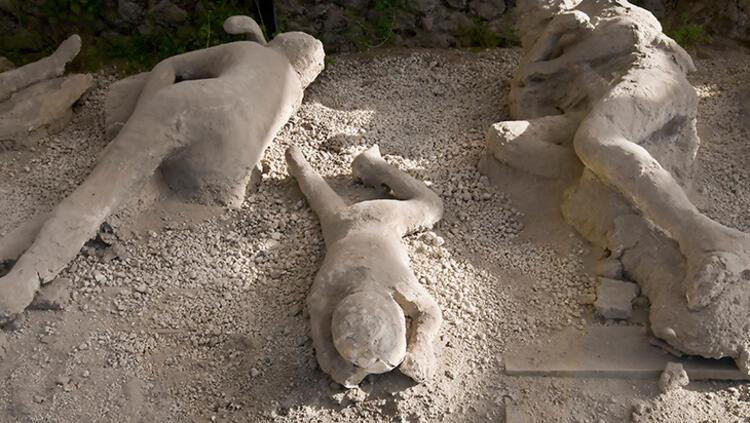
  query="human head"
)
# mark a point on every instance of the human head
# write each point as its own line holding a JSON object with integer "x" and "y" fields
{"x": 369, "y": 331}
{"x": 304, "y": 52}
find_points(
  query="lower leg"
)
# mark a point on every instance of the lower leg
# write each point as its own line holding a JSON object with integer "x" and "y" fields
{"x": 420, "y": 207}
{"x": 716, "y": 256}
{"x": 127, "y": 164}
{"x": 373, "y": 170}
{"x": 322, "y": 199}
{"x": 650, "y": 187}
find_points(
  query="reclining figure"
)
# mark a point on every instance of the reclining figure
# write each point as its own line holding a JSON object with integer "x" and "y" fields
{"x": 365, "y": 286}
{"x": 601, "y": 85}
{"x": 35, "y": 99}
{"x": 203, "y": 119}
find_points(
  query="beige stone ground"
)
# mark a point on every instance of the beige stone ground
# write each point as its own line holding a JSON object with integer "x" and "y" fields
{"x": 200, "y": 317}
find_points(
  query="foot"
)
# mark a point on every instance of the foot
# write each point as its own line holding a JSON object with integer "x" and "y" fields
{"x": 295, "y": 161}
{"x": 711, "y": 270}
{"x": 67, "y": 51}
{"x": 364, "y": 164}
{"x": 17, "y": 290}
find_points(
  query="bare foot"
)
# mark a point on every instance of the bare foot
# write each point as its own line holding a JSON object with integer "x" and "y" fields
{"x": 67, "y": 51}
{"x": 296, "y": 161}
{"x": 364, "y": 163}
{"x": 711, "y": 270}
{"x": 17, "y": 290}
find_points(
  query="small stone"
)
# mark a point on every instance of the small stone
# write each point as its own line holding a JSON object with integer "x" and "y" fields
{"x": 673, "y": 377}
{"x": 62, "y": 380}
{"x": 487, "y": 9}
{"x": 38, "y": 399}
{"x": 86, "y": 374}
{"x": 99, "y": 277}
{"x": 141, "y": 288}
{"x": 356, "y": 395}
{"x": 129, "y": 11}
{"x": 614, "y": 298}
{"x": 272, "y": 244}
{"x": 610, "y": 268}
{"x": 165, "y": 12}
{"x": 254, "y": 372}
{"x": 53, "y": 296}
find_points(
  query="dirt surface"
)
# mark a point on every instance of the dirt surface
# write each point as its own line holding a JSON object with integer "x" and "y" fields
{"x": 196, "y": 314}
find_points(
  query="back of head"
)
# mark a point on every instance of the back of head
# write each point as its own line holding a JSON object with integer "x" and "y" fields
{"x": 369, "y": 331}
{"x": 534, "y": 15}
{"x": 304, "y": 52}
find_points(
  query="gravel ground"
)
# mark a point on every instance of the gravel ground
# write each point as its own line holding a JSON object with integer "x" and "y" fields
{"x": 196, "y": 314}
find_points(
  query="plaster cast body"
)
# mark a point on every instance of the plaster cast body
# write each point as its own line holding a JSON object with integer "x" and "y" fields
{"x": 35, "y": 99}
{"x": 203, "y": 119}
{"x": 602, "y": 86}
{"x": 365, "y": 285}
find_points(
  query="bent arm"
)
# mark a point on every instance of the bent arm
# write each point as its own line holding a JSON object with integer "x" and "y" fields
{"x": 427, "y": 318}
{"x": 46, "y": 68}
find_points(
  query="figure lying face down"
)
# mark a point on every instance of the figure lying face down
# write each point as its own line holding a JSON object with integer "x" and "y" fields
{"x": 365, "y": 285}
{"x": 203, "y": 119}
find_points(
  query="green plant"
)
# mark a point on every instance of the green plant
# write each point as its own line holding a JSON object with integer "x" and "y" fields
{"x": 377, "y": 28}
{"x": 689, "y": 34}
{"x": 479, "y": 34}
{"x": 141, "y": 50}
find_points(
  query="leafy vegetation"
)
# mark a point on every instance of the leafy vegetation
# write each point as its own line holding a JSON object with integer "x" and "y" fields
{"x": 45, "y": 23}
{"x": 375, "y": 28}
{"x": 688, "y": 35}
{"x": 479, "y": 34}
{"x": 138, "y": 51}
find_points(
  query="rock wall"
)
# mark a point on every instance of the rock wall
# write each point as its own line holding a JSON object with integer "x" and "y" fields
{"x": 355, "y": 24}
{"x": 143, "y": 31}
{"x": 729, "y": 18}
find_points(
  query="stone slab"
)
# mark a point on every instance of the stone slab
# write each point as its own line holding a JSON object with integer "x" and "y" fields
{"x": 614, "y": 298}
{"x": 619, "y": 352}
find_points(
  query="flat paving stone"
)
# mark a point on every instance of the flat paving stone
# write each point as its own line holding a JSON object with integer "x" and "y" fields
{"x": 620, "y": 352}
